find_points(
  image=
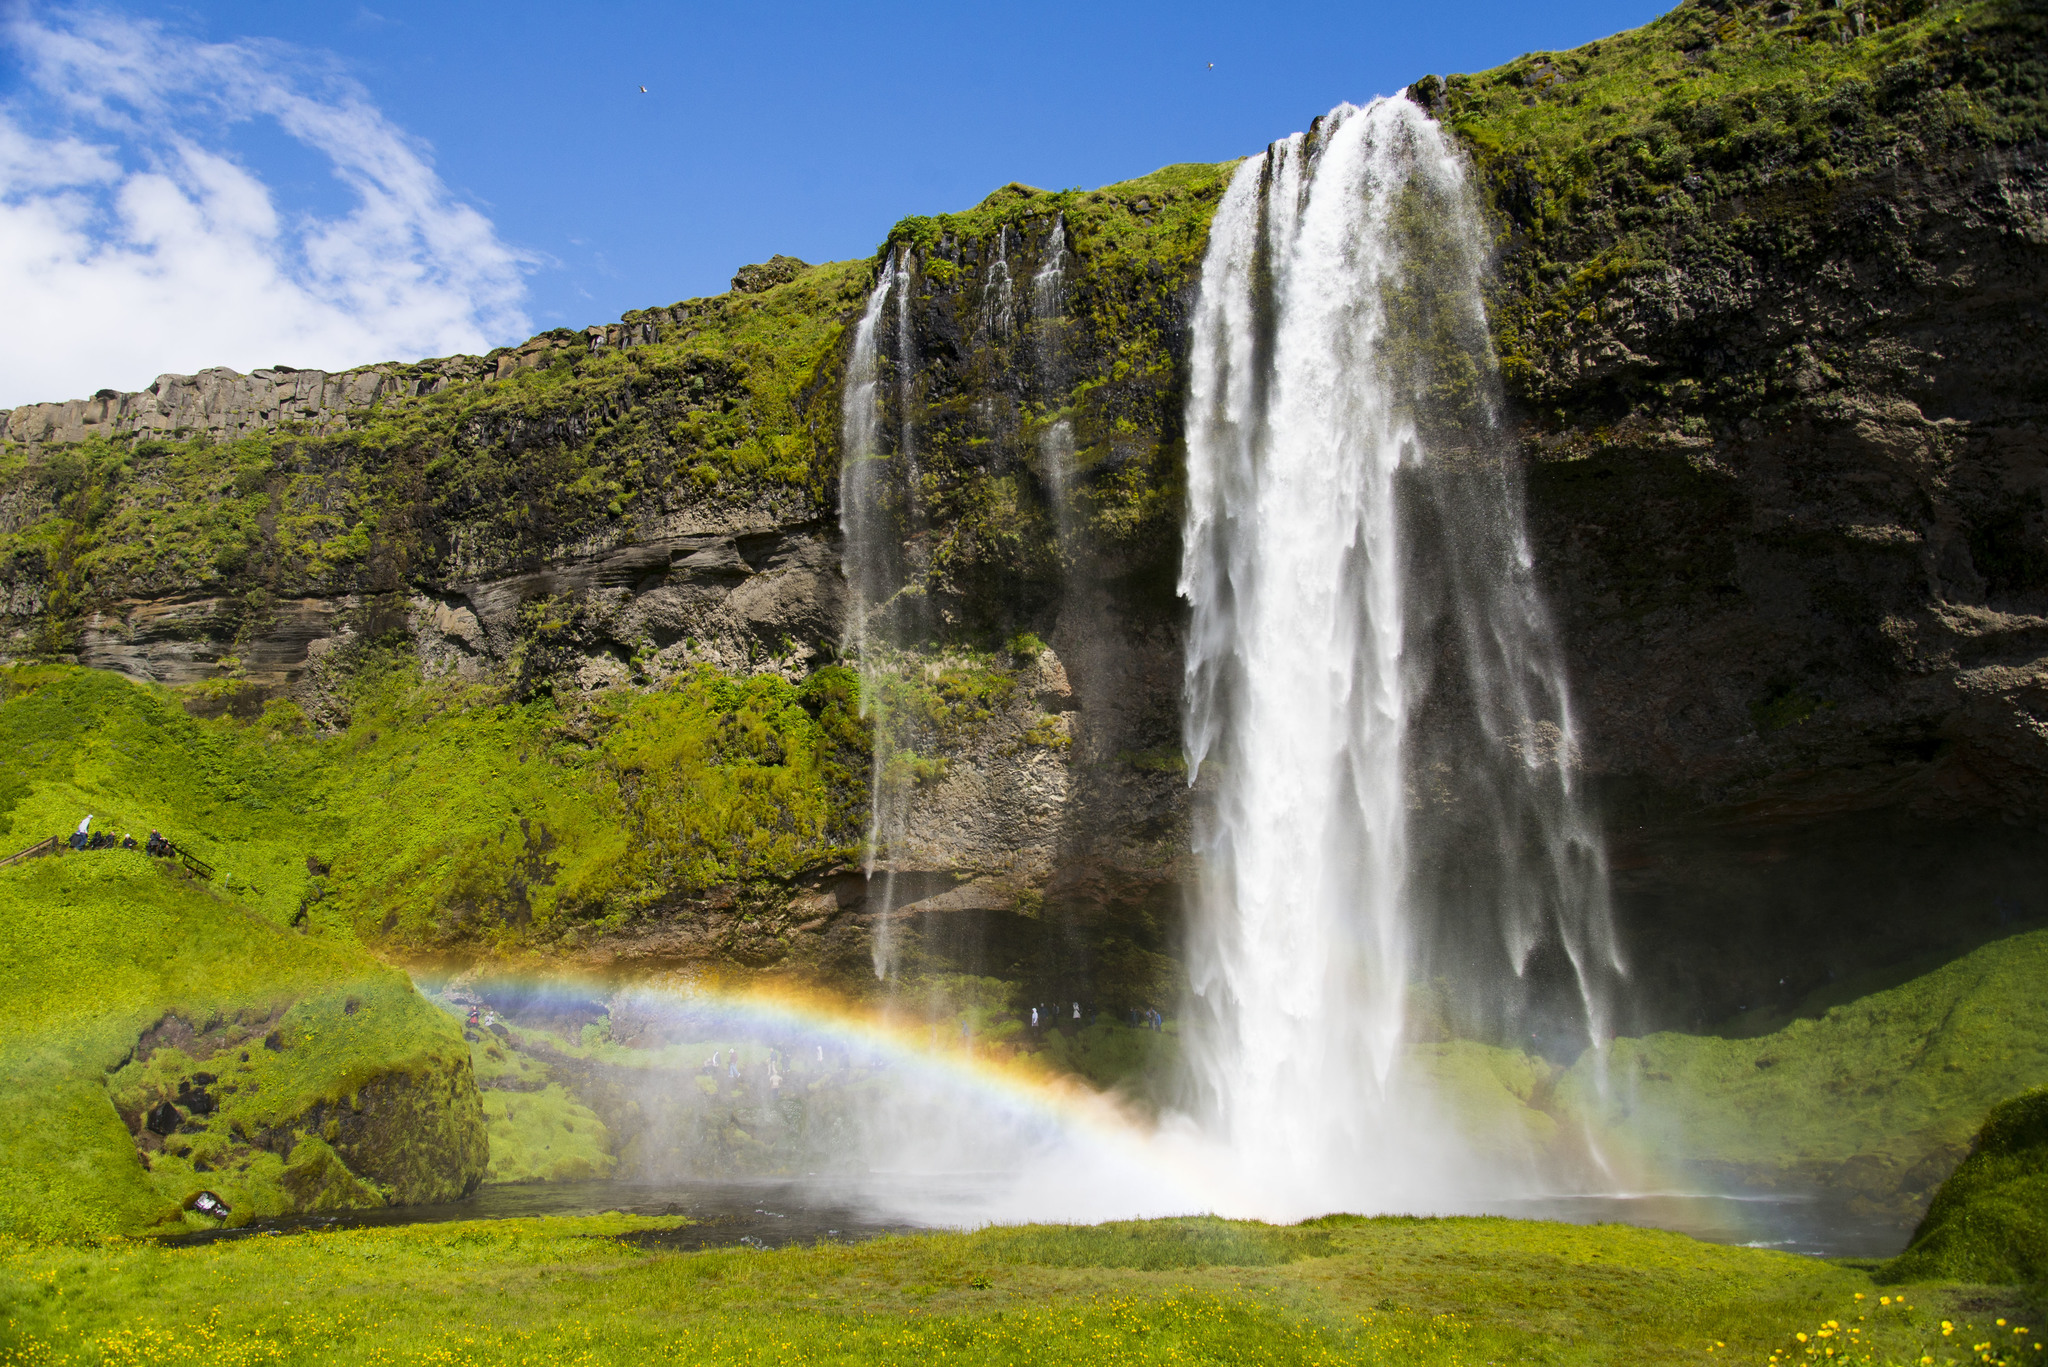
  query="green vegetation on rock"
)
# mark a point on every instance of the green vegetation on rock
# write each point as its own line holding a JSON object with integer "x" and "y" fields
{"x": 1989, "y": 1220}
{"x": 716, "y": 414}
{"x": 1718, "y": 131}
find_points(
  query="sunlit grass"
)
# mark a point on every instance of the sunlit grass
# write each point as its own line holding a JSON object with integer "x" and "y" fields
{"x": 1408, "y": 1291}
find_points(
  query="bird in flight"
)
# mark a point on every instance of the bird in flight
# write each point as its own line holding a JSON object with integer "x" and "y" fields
{"x": 1212, "y": 67}
{"x": 643, "y": 89}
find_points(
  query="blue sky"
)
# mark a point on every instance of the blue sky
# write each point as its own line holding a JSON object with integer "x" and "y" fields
{"x": 331, "y": 184}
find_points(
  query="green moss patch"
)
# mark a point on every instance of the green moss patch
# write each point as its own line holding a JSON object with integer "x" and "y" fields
{"x": 444, "y": 813}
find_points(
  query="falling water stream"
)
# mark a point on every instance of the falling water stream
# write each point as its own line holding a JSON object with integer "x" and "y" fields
{"x": 1375, "y": 713}
{"x": 868, "y": 519}
{"x": 1049, "y": 362}
{"x": 1376, "y": 719}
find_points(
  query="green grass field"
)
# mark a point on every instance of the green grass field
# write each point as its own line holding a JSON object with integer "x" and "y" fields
{"x": 1338, "y": 1290}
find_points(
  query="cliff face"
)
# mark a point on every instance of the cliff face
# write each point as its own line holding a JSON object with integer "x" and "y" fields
{"x": 1777, "y": 361}
{"x": 1770, "y": 322}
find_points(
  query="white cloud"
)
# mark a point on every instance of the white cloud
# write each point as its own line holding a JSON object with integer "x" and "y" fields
{"x": 134, "y": 243}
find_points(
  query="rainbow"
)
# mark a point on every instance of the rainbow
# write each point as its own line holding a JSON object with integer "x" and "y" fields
{"x": 1095, "y": 1131}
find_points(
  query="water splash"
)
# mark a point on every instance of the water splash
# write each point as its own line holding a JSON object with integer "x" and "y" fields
{"x": 1364, "y": 613}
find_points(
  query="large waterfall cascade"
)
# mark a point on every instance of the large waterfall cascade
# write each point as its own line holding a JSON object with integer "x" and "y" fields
{"x": 1375, "y": 716}
{"x": 1376, "y": 719}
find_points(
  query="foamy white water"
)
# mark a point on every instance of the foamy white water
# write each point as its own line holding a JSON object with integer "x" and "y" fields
{"x": 1376, "y": 713}
{"x": 1305, "y": 411}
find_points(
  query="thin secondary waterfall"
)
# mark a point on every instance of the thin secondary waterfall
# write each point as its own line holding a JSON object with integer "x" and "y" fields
{"x": 1048, "y": 355}
{"x": 1375, "y": 713}
{"x": 999, "y": 292}
{"x": 873, "y": 564}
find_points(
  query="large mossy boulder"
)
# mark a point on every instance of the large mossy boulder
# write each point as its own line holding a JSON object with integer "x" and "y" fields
{"x": 157, "y": 1040}
{"x": 1989, "y": 1221}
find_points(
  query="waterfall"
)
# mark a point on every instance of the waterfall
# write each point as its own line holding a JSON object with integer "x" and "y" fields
{"x": 870, "y": 521}
{"x": 998, "y": 291}
{"x": 1376, "y": 717}
{"x": 1048, "y": 357}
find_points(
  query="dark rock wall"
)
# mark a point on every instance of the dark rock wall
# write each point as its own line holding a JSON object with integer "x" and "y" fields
{"x": 1806, "y": 628}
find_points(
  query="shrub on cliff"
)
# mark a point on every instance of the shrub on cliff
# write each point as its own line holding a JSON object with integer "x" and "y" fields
{"x": 1989, "y": 1221}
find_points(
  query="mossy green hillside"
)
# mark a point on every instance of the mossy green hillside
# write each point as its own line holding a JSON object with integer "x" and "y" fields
{"x": 1342, "y": 1290}
{"x": 1989, "y": 1221}
{"x": 539, "y": 1131}
{"x": 545, "y": 1136}
{"x": 1877, "y": 1097}
{"x": 445, "y": 813}
{"x": 124, "y": 979}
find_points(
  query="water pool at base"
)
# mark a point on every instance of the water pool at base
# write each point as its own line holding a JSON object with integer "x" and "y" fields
{"x": 778, "y": 1212}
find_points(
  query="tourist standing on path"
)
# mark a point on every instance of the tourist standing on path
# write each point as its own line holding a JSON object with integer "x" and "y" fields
{"x": 80, "y": 836}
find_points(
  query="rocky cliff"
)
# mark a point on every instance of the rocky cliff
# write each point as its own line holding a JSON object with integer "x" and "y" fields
{"x": 1768, "y": 309}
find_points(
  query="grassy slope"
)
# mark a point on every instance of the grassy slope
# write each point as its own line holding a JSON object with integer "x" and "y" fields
{"x": 1338, "y": 1290}
{"x": 95, "y": 948}
{"x": 539, "y": 1132}
{"x": 1885, "y": 1091}
{"x": 444, "y": 813}
{"x": 1989, "y": 1221}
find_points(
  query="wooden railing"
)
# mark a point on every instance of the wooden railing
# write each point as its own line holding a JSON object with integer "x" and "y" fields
{"x": 57, "y": 844}
{"x": 35, "y": 851}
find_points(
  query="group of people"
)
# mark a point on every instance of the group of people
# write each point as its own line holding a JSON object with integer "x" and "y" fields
{"x": 85, "y": 838}
{"x": 777, "y": 1061}
{"x": 1043, "y": 1016}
